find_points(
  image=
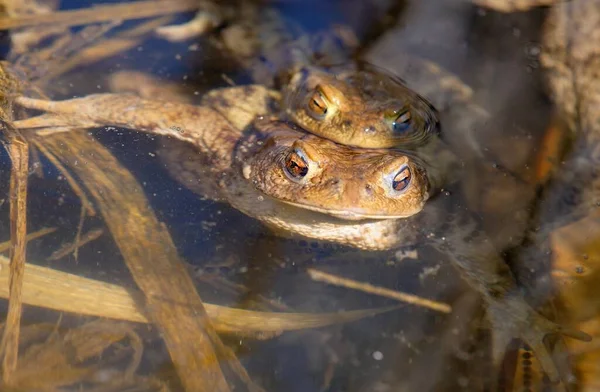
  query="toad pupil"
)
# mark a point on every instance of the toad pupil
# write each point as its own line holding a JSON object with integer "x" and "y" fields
{"x": 317, "y": 104}
{"x": 401, "y": 180}
{"x": 296, "y": 166}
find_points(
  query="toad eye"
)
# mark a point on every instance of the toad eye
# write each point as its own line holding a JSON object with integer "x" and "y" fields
{"x": 402, "y": 121}
{"x": 295, "y": 165}
{"x": 402, "y": 179}
{"x": 317, "y": 103}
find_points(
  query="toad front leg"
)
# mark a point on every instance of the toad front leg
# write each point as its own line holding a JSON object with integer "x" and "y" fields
{"x": 206, "y": 129}
{"x": 193, "y": 124}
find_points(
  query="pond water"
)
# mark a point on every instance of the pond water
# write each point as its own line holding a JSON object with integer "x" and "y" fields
{"x": 238, "y": 262}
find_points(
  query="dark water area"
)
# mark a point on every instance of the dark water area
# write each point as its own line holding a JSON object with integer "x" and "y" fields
{"x": 409, "y": 349}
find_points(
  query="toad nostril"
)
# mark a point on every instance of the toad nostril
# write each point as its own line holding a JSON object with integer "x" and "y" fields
{"x": 368, "y": 190}
{"x": 370, "y": 129}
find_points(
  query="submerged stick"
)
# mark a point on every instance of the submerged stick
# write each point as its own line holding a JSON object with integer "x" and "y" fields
{"x": 4, "y": 246}
{"x": 18, "y": 150}
{"x": 52, "y": 289}
{"x": 170, "y": 296}
{"x": 72, "y": 247}
{"x": 369, "y": 288}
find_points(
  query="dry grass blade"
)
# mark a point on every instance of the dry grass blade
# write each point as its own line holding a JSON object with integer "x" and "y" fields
{"x": 104, "y": 49}
{"x": 104, "y": 13}
{"x": 18, "y": 151}
{"x": 169, "y": 293}
{"x": 368, "y": 288}
{"x": 52, "y": 289}
{"x": 4, "y": 246}
{"x": 64, "y": 45}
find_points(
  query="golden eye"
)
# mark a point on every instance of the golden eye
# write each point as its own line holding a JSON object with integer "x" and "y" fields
{"x": 402, "y": 179}
{"x": 318, "y": 103}
{"x": 295, "y": 165}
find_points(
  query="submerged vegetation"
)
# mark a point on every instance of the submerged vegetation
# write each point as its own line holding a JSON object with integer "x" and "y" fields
{"x": 319, "y": 295}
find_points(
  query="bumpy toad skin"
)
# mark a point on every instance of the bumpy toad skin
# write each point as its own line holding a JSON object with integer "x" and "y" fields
{"x": 317, "y": 174}
{"x": 215, "y": 140}
{"x": 363, "y": 108}
{"x": 226, "y": 153}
